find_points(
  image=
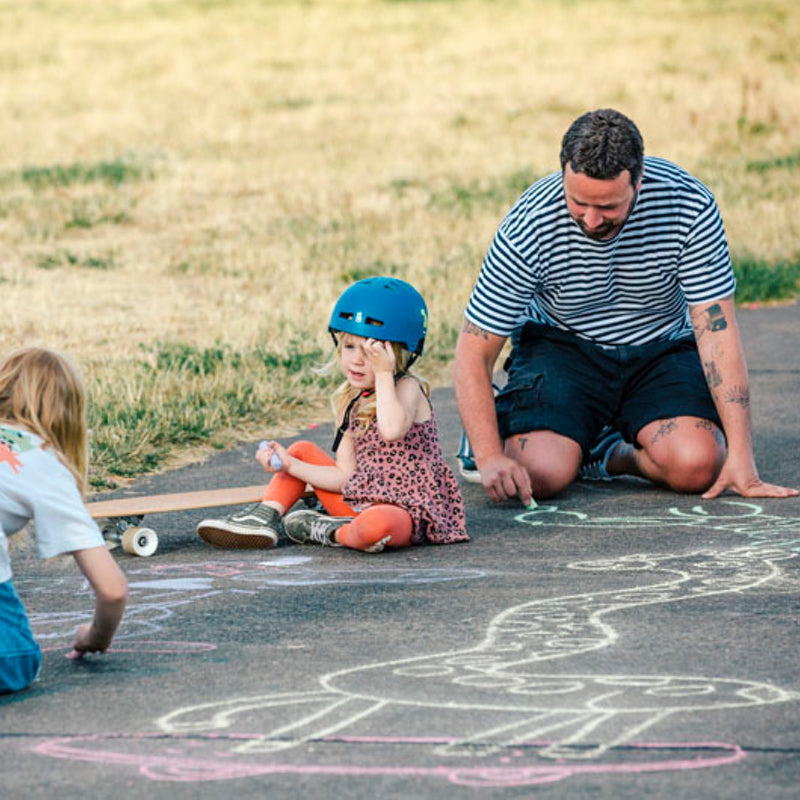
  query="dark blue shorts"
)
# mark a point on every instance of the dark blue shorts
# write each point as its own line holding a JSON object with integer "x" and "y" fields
{"x": 559, "y": 382}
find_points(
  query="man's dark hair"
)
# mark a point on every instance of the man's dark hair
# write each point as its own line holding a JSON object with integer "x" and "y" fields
{"x": 603, "y": 143}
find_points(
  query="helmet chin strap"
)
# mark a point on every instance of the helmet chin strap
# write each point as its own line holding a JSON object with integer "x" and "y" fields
{"x": 342, "y": 429}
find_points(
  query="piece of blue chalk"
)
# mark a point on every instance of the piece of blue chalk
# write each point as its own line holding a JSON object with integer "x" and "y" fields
{"x": 274, "y": 460}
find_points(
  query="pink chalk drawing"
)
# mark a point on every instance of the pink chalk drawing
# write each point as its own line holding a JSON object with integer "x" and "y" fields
{"x": 195, "y": 760}
{"x": 506, "y": 711}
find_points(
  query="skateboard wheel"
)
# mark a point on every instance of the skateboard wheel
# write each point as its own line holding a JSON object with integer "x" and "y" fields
{"x": 140, "y": 541}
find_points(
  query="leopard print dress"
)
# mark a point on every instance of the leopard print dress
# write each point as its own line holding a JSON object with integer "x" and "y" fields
{"x": 410, "y": 473}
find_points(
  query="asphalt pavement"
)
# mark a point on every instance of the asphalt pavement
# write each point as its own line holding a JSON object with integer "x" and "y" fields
{"x": 618, "y": 641}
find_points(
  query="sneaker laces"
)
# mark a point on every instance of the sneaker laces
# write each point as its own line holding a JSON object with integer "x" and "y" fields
{"x": 595, "y": 471}
{"x": 320, "y": 532}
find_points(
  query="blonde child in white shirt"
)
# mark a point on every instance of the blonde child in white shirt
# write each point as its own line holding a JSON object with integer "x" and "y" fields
{"x": 43, "y": 455}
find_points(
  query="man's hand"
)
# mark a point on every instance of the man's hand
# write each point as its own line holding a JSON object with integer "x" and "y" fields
{"x": 504, "y": 478}
{"x": 744, "y": 480}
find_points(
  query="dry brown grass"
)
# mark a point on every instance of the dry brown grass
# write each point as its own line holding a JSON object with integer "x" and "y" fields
{"x": 285, "y": 148}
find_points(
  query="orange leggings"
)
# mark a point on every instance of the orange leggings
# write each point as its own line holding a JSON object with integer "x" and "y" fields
{"x": 367, "y": 528}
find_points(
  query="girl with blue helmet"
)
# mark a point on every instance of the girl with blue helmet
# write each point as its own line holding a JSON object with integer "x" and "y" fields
{"x": 389, "y": 484}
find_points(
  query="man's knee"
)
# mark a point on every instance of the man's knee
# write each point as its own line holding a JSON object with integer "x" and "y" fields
{"x": 549, "y": 481}
{"x": 552, "y": 460}
{"x": 689, "y": 466}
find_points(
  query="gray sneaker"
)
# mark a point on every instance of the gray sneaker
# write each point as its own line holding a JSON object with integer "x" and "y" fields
{"x": 257, "y": 526}
{"x": 311, "y": 527}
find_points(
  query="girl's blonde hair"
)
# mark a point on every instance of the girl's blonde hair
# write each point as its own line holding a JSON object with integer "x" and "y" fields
{"x": 345, "y": 393}
{"x": 43, "y": 391}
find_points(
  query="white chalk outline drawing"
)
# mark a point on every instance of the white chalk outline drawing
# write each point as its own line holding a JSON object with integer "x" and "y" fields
{"x": 518, "y": 706}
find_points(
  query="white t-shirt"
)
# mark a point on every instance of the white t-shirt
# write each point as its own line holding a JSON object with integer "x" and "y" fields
{"x": 35, "y": 485}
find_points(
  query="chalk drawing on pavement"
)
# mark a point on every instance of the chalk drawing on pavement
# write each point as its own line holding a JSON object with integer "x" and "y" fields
{"x": 512, "y": 693}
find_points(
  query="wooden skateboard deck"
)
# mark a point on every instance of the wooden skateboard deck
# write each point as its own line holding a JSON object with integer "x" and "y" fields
{"x": 124, "y": 515}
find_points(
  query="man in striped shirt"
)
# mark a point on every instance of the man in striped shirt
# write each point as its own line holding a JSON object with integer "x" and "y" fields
{"x": 614, "y": 281}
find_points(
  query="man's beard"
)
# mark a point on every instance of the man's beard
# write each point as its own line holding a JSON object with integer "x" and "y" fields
{"x": 608, "y": 229}
{"x": 603, "y": 232}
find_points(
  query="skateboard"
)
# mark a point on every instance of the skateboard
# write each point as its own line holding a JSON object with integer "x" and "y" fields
{"x": 120, "y": 520}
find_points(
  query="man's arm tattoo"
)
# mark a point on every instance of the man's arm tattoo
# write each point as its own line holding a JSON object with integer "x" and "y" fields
{"x": 739, "y": 395}
{"x": 712, "y": 319}
{"x": 708, "y": 425}
{"x": 716, "y": 318}
{"x": 474, "y": 330}
{"x": 664, "y": 429}
{"x": 713, "y": 378}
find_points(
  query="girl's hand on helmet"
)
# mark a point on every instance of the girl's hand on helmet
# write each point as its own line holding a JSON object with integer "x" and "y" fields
{"x": 380, "y": 355}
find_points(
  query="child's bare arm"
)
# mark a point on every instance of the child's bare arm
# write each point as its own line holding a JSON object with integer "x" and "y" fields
{"x": 397, "y": 403}
{"x": 111, "y": 595}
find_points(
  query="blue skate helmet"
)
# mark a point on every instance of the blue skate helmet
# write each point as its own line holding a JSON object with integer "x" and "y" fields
{"x": 383, "y": 308}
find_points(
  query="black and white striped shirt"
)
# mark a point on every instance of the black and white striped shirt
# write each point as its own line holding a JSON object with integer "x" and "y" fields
{"x": 631, "y": 289}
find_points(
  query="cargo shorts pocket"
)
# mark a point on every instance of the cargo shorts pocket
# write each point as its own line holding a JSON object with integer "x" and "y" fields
{"x": 521, "y": 396}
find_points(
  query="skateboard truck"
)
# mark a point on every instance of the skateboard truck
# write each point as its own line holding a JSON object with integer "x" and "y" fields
{"x": 127, "y": 531}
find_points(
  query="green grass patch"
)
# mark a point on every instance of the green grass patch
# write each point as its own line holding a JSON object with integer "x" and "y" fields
{"x": 759, "y": 281}
{"x": 65, "y": 258}
{"x": 788, "y": 162}
{"x": 112, "y": 173}
{"x": 177, "y": 395}
{"x": 85, "y": 217}
{"x": 479, "y": 195}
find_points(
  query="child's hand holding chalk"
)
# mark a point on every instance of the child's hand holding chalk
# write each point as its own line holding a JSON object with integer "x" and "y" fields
{"x": 86, "y": 641}
{"x": 274, "y": 459}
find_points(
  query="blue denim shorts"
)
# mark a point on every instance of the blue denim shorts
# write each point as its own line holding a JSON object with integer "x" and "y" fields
{"x": 562, "y": 383}
{"x": 20, "y": 656}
